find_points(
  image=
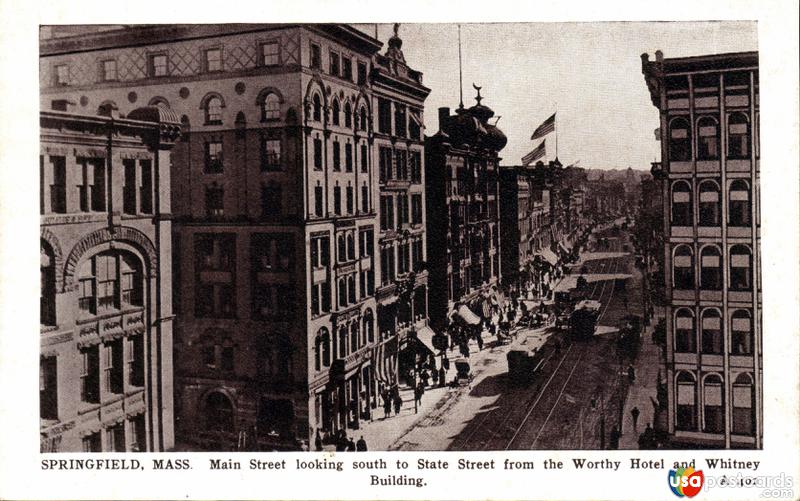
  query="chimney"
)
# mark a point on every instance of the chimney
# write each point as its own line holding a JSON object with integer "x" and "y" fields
{"x": 444, "y": 115}
{"x": 62, "y": 105}
{"x": 659, "y": 56}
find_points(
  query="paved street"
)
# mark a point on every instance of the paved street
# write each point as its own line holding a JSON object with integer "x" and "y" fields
{"x": 554, "y": 411}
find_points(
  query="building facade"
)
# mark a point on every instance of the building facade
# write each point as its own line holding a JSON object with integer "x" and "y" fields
{"x": 275, "y": 212}
{"x": 462, "y": 187}
{"x": 709, "y": 111}
{"x": 105, "y": 368}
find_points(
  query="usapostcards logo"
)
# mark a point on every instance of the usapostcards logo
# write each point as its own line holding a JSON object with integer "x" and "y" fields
{"x": 685, "y": 482}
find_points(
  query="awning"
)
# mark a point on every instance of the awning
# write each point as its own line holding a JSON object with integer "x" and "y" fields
{"x": 468, "y": 316}
{"x": 425, "y": 336}
{"x": 549, "y": 256}
{"x": 563, "y": 248}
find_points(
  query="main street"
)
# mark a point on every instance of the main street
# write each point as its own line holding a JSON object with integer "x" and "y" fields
{"x": 576, "y": 391}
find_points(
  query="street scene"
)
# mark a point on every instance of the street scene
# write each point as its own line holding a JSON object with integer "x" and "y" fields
{"x": 391, "y": 237}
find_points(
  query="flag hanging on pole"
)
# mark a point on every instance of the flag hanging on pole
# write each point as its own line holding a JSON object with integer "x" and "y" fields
{"x": 546, "y": 128}
{"x": 536, "y": 154}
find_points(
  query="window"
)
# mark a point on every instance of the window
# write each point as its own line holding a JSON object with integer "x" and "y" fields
{"x": 47, "y": 300}
{"x": 341, "y": 248}
{"x": 99, "y": 282}
{"x": 146, "y": 188}
{"x": 272, "y": 300}
{"x": 348, "y": 115}
{"x": 400, "y": 121}
{"x": 92, "y": 442}
{"x": 364, "y": 198}
{"x": 270, "y": 54}
{"x": 680, "y": 140}
{"x": 364, "y": 158}
{"x": 337, "y": 200}
{"x": 401, "y": 164}
{"x": 213, "y": 157}
{"x": 743, "y": 422}
{"x": 707, "y": 139}
{"x": 213, "y": 110}
{"x": 384, "y": 116}
{"x": 711, "y": 324}
{"x": 741, "y": 268}
{"x": 271, "y": 201}
{"x": 215, "y": 255}
{"x": 402, "y": 209}
{"x": 414, "y": 125}
{"x": 48, "y": 388}
{"x": 417, "y": 256}
{"x": 129, "y": 187}
{"x": 320, "y": 252}
{"x": 351, "y": 289}
{"x": 387, "y": 212}
{"x": 58, "y": 190}
{"x": 158, "y": 65}
{"x": 109, "y": 70}
{"x": 738, "y": 136}
{"x": 349, "y": 199}
{"x": 385, "y": 163}
{"x": 741, "y": 333}
{"x": 415, "y": 158}
{"x": 348, "y": 157}
{"x": 316, "y": 57}
{"x": 270, "y": 154}
{"x": 138, "y": 439}
{"x": 271, "y": 107}
{"x": 683, "y": 268}
{"x": 318, "y": 201}
{"x": 61, "y": 74}
{"x": 347, "y": 68}
{"x": 335, "y": 111}
{"x": 739, "y": 203}
{"x": 317, "y": 153}
{"x": 709, "y": 203}
{"x": 215, "y": 201}
{"x": 416, "y": 208}
{"x": 362, "y": 73}
{"x": 322, "y": 353}
{"x": 681, "y": 204}
{"x": 342, "y": 292}
{"x": 334, "y": 64}
{"x": 354, "y": 336}
{"x": 337, "y": 156}
{"x": 136, "y": 360}
{"x": 686, "y": 414}
{"x": 713, "y": 412}
{"x": 710, "y": 268}
{"x": 351, "y": 247}
{"x": 214, "y": 60}
{"x": 366, "y": 243}
{"x": 90, "y": 374}
{"x": 114, "y": 366}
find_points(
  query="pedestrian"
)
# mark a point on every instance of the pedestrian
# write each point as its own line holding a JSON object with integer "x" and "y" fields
{"x": 351, "y": 446}
{"x": 387, "y": 406}
{"x": 341, "y": 441}
{"x": 635, "y": 416}
{"x": 318, "y": 441}
{"x": 445, "y": 363}
{"x": 418, "y": 394}
{"x": 649, "y": 437}
{"x": 615, "y": 435}
{"x": 398, "y": 403}
{"x": 361, "y": 445}
{"x": 424, "y": 377}
{"x": 479, "y": 338}
{"x": 442, "y": 376}
{"x": 464, "y": 348}
{"x": 631, "y": 374}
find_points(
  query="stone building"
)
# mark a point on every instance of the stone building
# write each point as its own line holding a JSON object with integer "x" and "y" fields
{"x": 105, "y": 367}
{"x": 709, "y": 118}
{"x": 462, "y": 188}
{"x": 274, "y": 210}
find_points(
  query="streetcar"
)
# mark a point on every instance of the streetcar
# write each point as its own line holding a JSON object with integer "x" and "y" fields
{"x": 526, "y": 359}
{"x": 583, "y": 320}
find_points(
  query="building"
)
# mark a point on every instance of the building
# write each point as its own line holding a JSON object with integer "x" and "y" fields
{"x": 462, "y": 189}
{"x": 105, "y": 367}
{"x": 274, "y": 211}
{"x": 398, "y": 96}
{"x": 709, "y": 111}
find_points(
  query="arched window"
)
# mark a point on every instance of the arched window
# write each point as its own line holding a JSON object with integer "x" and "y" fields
{"x": 685, "y": 410}
{"x": 47, "y": 298}
{"x": 362, "y": 119}
{"x": 323, "y": 351}
{"x": 707, "y": 139}
{"x": 351, "y": 289}
{"x": 739, "y": 203}
{"x": 342, "y": 292}
{"x": 159, "y": 101}
{"x": 342, "y": 248}
{"x": 218, "y": 412}
{"x": 741, "y": 268}
{"x": 681, "y": 203}
{"x": 342, "y": 341}
{"x": 711, "y": 324}
{"x": 741, "y": 333}
{"x": 710, "y": 268}
{"x": 709, "y": 203}
{"x": 713, "y": 408}
{"x": 110, "y": 281}
{"x": 271, "y": 107}
{"x": 685, "y": 338}
{"x": 353, "y": 337}
{"x": 680, "y": 140}
{"x": 213, "y": 110}
{"x": 369, "y": 328}
{"x": 743, "y": 422}
{"x": 348, "y": 115}
{"x": 335, "y": 112}
{"x": 351, "y": 247}
{"x": 683, "y": 268}
{"x": 738, "y": 136}
{"x": 317, "y": 108}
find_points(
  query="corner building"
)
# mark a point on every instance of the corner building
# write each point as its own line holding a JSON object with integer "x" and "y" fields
{"x": 709, "y": 109}
{"x": 274, "y": 213}
{"x": 105, "y": 367}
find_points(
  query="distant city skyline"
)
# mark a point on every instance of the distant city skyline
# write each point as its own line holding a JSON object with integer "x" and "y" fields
{"x": 589, "y": 73}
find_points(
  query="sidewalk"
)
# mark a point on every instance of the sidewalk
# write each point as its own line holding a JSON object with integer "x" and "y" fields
{"x": 642, "y": 393}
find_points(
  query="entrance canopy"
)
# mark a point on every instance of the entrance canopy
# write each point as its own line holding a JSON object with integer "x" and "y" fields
{"x": 468, "y": 316}
{"x": 425, "y": 337}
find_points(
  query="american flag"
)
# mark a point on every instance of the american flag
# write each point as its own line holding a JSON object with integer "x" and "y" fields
{"x": 546, "y": 128}
{"x": 536, "y": 154}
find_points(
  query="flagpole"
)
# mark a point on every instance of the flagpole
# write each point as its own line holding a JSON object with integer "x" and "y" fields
{"x": 460, "y": 83}
{"x": 555, "y": 127}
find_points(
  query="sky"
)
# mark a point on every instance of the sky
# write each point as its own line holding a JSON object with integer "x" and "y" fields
{"x": 589, "y": 73}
